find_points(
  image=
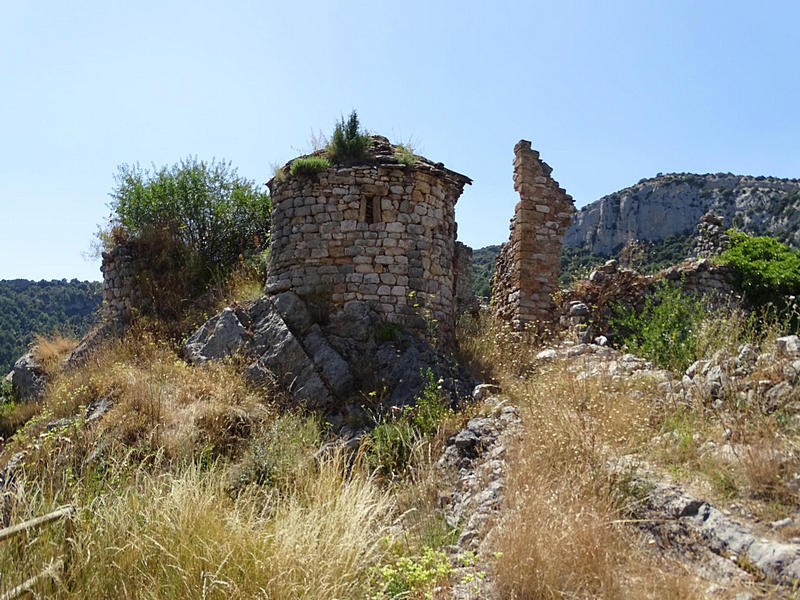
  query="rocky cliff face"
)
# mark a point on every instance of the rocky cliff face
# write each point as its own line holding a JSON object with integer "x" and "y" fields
{"x": 654, "y": 209}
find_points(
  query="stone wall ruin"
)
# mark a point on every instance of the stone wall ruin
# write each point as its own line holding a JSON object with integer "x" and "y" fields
{"x": 383, "y": 232}
{"x": 527, "y": 269}
{"x": 121, "y": 291}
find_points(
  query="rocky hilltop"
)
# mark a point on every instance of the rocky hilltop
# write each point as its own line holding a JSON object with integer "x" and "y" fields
{"x": 672, "y": 204}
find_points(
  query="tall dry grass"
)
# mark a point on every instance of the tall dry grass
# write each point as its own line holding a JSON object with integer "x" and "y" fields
{"x": 563, "y": 532}
{"x": 182, "y": 535}
{"x": 492, "y": 349}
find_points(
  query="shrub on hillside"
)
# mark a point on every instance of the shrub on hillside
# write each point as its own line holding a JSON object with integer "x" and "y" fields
{"x": 217, "y": 216}
{"x": 665, "y": 330}
{"x": 768, "y": 270}
{"x": 390, "y": 446}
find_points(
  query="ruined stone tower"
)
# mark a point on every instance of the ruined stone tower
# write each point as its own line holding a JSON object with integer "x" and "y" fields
{"x": 383, "y": 232}
{"x": 529, "y": 263}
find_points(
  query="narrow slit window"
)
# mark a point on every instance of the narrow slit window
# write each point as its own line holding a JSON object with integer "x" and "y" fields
{"x": 371, "y": 210}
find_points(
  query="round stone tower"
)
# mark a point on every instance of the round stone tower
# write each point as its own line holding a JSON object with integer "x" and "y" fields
{"x": 383, "y": 232}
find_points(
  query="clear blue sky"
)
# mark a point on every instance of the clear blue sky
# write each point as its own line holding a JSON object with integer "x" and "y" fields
{"x": 608, "y": 92}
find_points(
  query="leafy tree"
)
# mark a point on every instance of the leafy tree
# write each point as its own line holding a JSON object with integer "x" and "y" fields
{"x": 483, "y": 260}
{"x": 217, "y": 215}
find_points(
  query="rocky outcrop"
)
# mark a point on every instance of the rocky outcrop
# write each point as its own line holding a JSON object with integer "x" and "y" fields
{"x": 654, "y": 209}
{"x": 322, "y": 363}
{"x": 474, "y": 460}
{"x": 28, "y": 379}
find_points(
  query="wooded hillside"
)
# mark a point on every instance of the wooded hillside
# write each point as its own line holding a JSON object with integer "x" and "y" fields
{"x": 30, "y": 307}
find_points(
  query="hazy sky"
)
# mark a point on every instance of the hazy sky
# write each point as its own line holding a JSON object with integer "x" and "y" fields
{"x": 608, "y": 91}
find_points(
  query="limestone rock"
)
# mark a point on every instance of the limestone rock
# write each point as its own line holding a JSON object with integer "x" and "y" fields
{"x": 282, "y": 359}
{"x": 322, "y": 367}
{"x": 329, "y": 363}
{"x": 220, "y": 336}
{"x": 28, "y": 378}
{"x": 484, "y": 390}
{"x": 92, "y": 342}
{"x": 654, "y": 209}
{"x": 294, "y": 312}
{"x": 788, "y": 346}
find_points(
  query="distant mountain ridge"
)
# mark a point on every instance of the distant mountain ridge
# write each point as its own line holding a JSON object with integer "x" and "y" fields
{"x": 672, "y": 204}
{"x": 43, "y": 307}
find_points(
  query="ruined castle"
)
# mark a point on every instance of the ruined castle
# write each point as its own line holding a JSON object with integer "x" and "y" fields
{"x": 383, "y": 231}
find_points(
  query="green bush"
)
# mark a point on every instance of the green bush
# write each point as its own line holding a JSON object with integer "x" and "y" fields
{"x": 390, "y": 446}
{"x": 768, "y": 270}
{"x": 348, "y": 143}
{"x": 391, "y": 443}
{"x": 308, "y": 165}
{"x": 218, "y": 216}
{"x": 5, "y": 391}
{"x": 281, "y": 451}
{"x": 665, "y": 331}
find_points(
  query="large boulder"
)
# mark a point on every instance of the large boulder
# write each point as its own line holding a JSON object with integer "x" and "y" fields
{"x": 282, "y": 360}
{"x": 222, "y": 335}
{"x": 28, "y": 379}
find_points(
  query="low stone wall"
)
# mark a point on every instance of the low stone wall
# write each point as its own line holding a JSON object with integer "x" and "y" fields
{"x": 585, "y": 308}
{"x": 704, "y": 278}
{"x": 121, "y": 292}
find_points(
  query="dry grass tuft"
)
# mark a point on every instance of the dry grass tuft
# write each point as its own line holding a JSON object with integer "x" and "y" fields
{"x": 51, "y": 350}
{"x": 491, "y": 348}
{"x": 159, "y": 403}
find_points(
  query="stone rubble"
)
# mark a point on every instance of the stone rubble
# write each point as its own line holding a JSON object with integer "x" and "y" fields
{"x": 675, "y": 518}
{"x": 711, "y": 237}
{"x": 475, "y": 458}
